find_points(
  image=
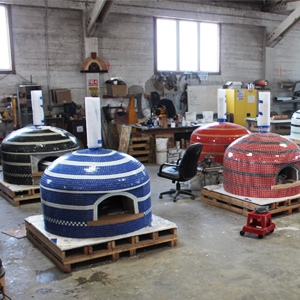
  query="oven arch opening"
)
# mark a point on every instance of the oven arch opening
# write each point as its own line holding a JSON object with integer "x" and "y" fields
{"x": 129, "y": 202}
{"x": 46, "y": 162}
{"x": 287, "y": 174}
{"x": 115, "y": 205}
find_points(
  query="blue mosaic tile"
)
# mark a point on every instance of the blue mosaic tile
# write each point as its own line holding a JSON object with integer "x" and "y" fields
{"x": 71, "y": 195}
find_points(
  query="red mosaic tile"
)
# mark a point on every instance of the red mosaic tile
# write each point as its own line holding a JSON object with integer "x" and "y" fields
{"x": 216, "y": 137}
{"x": 257, "y": 164}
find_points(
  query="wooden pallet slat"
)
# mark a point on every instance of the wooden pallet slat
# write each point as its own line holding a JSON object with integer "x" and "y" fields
{"x": 109, "y": 248}
{"x": 16, "y": 195}
{"x": 238, "y": 205}
{"x": 140, "y": 148}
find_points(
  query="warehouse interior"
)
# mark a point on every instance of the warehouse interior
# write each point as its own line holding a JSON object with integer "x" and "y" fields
{"x": 73, "y": 51}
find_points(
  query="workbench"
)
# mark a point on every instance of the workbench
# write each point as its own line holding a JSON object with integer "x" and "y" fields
{"x": 276, "y": 126}
{"x": 176, "y": 133}
{"x": 172, "y": 133}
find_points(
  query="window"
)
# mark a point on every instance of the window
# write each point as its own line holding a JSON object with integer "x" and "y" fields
{"x": 183, "y": 46}
{"x": 6, "y": 59}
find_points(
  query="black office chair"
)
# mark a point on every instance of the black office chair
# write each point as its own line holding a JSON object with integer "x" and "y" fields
{"x": 184, "y": 170}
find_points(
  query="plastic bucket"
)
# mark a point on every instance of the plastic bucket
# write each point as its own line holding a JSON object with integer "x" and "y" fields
{"x": 208, "y": 116}
{"x": 190, "y": 116}
{"x": 2, "y": 277}
{"x": 161, "y": 157}
{"x": 161, "y": 144}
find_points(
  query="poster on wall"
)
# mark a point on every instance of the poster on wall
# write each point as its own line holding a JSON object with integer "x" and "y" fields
{"x": 93, "y": 87}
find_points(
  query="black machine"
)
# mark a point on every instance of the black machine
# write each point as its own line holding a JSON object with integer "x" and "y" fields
{"x": 165, "y": 108}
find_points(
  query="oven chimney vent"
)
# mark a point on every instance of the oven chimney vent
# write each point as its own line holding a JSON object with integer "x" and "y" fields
{"x": 37, "y": 108}
{"x": 93, "y": 123}
{"x": 263, "y": 119}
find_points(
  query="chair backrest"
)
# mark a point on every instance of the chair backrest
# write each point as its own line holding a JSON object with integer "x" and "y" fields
{"x": 189, "y": 162}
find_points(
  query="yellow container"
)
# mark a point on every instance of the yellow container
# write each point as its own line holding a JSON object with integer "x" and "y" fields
{"x": 242, "y": 103}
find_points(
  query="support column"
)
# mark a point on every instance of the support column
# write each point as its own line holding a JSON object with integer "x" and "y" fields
{"x": 92, "y": 79}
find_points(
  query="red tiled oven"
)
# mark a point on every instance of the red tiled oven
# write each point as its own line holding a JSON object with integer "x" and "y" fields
{"x": 263, "y": 166}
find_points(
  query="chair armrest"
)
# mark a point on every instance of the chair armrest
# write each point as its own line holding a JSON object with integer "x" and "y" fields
{"x": 166, "y": 164}
{"x": 179, "y": 159}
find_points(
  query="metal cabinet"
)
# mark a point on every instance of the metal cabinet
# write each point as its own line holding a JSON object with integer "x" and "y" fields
{"x": 24, "y": 103}
{"x": 242, "y": 104}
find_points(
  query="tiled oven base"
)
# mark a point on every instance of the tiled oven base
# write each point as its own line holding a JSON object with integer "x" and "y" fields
{"x": 217, "y": 196}
{"x": 67, "y": 253}
{"x": 19, "y": 194}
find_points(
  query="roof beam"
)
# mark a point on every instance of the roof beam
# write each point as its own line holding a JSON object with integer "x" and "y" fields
{"x": 66, "y": 4}
{"x": 98, "y": 15}
{"x": 283, "y": 6}
{"x": 283, "y": 28}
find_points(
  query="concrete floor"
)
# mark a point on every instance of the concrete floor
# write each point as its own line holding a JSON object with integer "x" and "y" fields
{"x": 211, "y": 260}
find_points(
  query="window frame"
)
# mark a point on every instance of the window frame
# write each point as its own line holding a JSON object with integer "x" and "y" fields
{"x": 198, "y": 46}
{"x": 8, "y": 12}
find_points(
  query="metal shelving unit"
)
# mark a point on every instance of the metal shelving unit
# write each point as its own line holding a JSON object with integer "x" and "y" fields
{"x": 24, "y": 103}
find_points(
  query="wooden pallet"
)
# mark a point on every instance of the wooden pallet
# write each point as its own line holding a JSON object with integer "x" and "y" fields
{"x": 140, "y": 148}
{"x": 19, "y": 194}
{"x": 67, "y": 253}
{"x": 237, "y": 204}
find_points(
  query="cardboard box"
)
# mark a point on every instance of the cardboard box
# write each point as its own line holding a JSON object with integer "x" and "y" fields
{"x": 63, "y": 96}
{"x": 116, "y": 90}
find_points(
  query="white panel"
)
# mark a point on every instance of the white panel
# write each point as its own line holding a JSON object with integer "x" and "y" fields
{"x": 203, "y": 98}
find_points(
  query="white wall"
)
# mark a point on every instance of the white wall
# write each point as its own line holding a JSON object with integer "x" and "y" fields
{"x": 65, "y": 44}
{"x": 126, "y": 42}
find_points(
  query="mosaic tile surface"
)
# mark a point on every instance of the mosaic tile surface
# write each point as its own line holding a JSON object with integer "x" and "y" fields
{"x": 74, "y": 186}
{"x": 254, "y": 163}
{"x": 216, "y": 137}
{"x": 21, "y": 145}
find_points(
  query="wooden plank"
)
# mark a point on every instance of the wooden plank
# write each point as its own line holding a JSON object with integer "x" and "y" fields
{"x": 139, "y": 152}
{"x": 243, "y": 207}
{"x": 124, "y": 138}
{"x": 110, "y": 249}
{"x": 16, "y": 200}
{"x": 226, "y": 206}
{"x": 4, "y": 187}
{"x": 284, "y": 186}
{"x": 144, "y": 159}
{"x": 9, "y": 199}
{"x": 117, "y": 250}
{"x": 229, "y": 199}
{"x": 39, "y": 174}
{"x": 45, "y": 250}
{"x": 135, "y": 146}
{"x": 138, "y": 140}
{"x": 44, "y": 240}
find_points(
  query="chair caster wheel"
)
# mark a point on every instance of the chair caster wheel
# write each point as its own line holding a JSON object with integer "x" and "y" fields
{"x": 193, "y": 197}
{"x": 260, "y": 236}
{"x": 174, "y": 200}
{"x": 160, "y": 197}
{"x": 272, "y": 231}
{"x": 242, "y": 233}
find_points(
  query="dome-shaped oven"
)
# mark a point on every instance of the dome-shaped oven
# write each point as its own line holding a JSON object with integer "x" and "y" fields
{"x": 95, "y": 193}
{"x": 216, "y": 137}
{"x": 262, "y": 166}
{"x": 24, "y": 150}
